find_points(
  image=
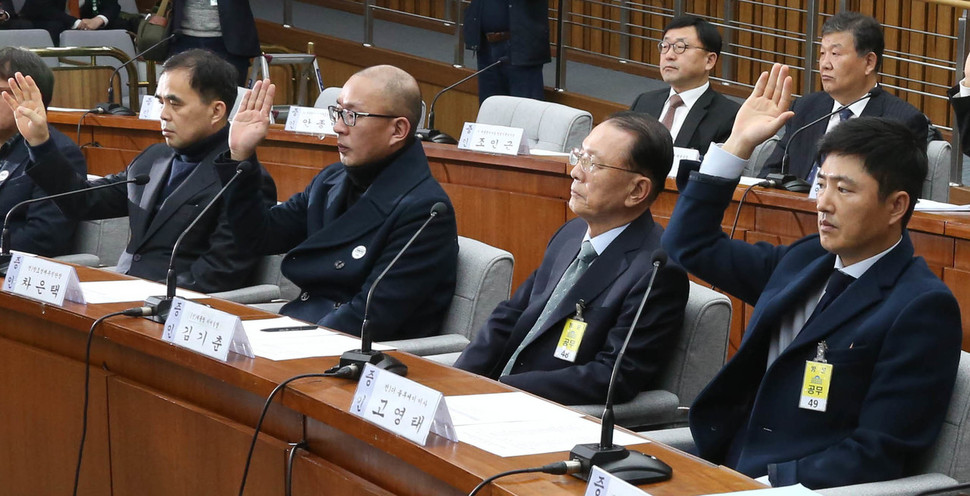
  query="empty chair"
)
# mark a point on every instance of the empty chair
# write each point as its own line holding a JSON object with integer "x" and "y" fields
{"x": 29, "y": 38}
{"x": 484, "y": 280}
{"x": 546, "y": 126}
{"x": 700, "y": 353}
{"x": 99, "y": 243}
{"x": 936, "y": 187}
{"x": 117, "y": 38}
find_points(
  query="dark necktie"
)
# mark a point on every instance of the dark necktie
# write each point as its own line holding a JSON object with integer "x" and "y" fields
{"x": 675, "y": 102}
{"x": 844, "y": 115}
{"x": 838, "y": 281}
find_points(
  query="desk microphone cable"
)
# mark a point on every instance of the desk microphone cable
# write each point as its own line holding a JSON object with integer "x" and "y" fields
{"x": 557, "y": 468}
{"x": 262, "y": 417}
{"x": 131, "y": 312}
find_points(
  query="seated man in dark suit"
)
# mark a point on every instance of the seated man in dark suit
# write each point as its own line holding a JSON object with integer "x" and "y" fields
{"x": 54, "y": 16}
{"x": 356, "y": 215}
{"x": 197, "y": 89}
{"x": 38, "y": 228}
{"x": 848, "y": 362}
{"x": 849, "y": 63}
{"x": 961, "y": 106}
{"x": 10, "y": 19}
{"x": 616, "y": 177}
{"x": 695, "y": 114}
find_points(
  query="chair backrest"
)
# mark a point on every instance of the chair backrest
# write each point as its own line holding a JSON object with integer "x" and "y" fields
{"x": 105, "y": 238}
{"x": 268, "y": 272}
{"x": 118, "y": 38}
{"x": 329, "y": 96}
{"x": 951, "y": 453}
{"x": 546, "y": 125}
{"x": 936, "y": 187}
{"x": 760, "y": 156}
{"x": 484, "y": 281}
{"x": 702, "y": 347}
{"x": 29, "y": 38}
{"x": 129, "y": 6}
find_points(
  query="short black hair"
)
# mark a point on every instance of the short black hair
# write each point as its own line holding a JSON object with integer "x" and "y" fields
{"x": 16, "y": 59}
{"x": 210, "y": 76}
{"x": 891, "y": 153}
{"x": 708, "y": 34}
{"x": 866, "y": 32}
{"x": 652, "y": 153}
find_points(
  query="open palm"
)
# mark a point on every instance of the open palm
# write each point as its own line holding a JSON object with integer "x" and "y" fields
{"x": 251, "y": 123}
{"x": 27, "y": 103}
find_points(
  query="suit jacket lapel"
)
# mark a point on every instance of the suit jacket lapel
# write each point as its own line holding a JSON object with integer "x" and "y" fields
{"x": 693, "y": 119}
{"x": 202, "y": 177}
{"x": 812, "y": 276}
{"x": 157, "y": 175}
{"x": 874, "y": 107}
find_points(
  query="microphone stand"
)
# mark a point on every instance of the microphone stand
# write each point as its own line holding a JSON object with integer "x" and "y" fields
{"x": 631, "y": 466}
{"x": 110, "y": 107}
{"x": 432, "y": 134}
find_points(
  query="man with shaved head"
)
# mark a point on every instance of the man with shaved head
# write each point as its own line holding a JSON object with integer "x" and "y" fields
{"x": 356, "y": 215}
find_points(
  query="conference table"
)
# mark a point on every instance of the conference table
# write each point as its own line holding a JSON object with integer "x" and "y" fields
{"x": 168, "y": 421}
{"x": 517, "y": 202}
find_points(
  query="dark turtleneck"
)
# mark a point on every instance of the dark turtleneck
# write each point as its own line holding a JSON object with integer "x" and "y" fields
{"x": 360, "y": 177}
{"x": 197, "y": 151}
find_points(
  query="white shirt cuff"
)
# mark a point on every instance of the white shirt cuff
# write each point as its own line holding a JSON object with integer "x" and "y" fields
{"x": 964, "y": 90}
{"x": 76, "y": 24}
{"x": 720, "y": 163}
{"x": 105, "y": 19}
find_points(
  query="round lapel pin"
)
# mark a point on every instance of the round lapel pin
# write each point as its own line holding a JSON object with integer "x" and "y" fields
{"x": 359, "y": 252}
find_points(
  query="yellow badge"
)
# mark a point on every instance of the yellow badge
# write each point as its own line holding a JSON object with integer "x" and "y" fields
{"x": 572, "y": 336}
{"x": 815, "y": 386}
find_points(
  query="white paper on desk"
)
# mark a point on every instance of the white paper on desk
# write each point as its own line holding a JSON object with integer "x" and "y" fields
{"x": 796, "y": 490}
{"x": 292, "y": 345}
{"x": 923, "y": 205}
{"x": 471, "y": 409}
{"x": 537, "y": 436}
{"x": 129, "y": 290}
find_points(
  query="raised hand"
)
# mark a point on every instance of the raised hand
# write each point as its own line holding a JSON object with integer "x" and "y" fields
{"x": 27, "y": 104}
{"x": 763, "y": 113}
{"x": 251, "y": 123}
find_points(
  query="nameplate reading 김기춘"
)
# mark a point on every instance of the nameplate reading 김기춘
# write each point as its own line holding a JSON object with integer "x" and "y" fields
{"x": 401, "y": 406}
{"x": 492, "y": 139}
{"x": 309, "y": 120}
{"x": 205, "y": 330}
{"x": 41, "y": 279}
{"x": 603, "y": 483}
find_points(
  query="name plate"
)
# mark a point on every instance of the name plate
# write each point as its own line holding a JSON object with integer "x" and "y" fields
{"x": 401, "y": 406}
{"x": 682, "y": 154}
{"x": 205, "y": 330}
{"x": 310, "y": 120}
{"x": 603, "y": 483}
{"x": 40, "y": 279}
{"x": 492, "y": 139}
{"x": 151, "y": 109}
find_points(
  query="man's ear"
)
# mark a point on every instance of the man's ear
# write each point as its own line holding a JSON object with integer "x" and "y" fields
{"x": 640, "y": 191}
{"x": 401, "y": 130}
{"x": 219, "y": 111}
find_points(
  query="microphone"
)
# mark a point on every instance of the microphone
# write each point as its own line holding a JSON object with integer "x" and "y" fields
{"x": 5, "y": 234}
{"x": 352, "y": 362}
{"x": 110, "y": 107}
{"x": 782, "y": 180}
{"x": 631, "y": 466}
{"x": 162, "y": 304}
{"x": 432, "y": 134}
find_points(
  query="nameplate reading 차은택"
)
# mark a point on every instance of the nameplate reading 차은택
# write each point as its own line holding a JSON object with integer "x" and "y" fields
{"x": 205, "y": 330}
{"x": 310, "y": 120}
{"x": 41, "y": 279}
{"x": 401, "y": 406}
{"x": 488, "y": 138}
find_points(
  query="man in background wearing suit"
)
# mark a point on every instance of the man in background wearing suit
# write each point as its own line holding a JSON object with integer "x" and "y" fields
{"x": 356, "y": 215}
{"x": 849, "y": 63}
{"x": 839, "y": 382}
{"x": 10, "y": 19}
{"x": 226, "y": 28}
{"x": 55, "y": 16}
{"x": 695, "y": 114}
{"x": 39, "y": 228}
{"x": 961, "y": 106}
{"x": 196, "y": 90}
{"x": 559, "y": 334}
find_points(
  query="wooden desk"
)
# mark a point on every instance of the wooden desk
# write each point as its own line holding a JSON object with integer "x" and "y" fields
{"x": 517, "y": 203}
{"x": 167, "y": 421}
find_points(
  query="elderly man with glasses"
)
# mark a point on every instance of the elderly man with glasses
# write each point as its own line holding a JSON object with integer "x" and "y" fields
{"x": 559, "y": 334}
{"x": 356, "y": 215}
{"x": 695, "y": 114}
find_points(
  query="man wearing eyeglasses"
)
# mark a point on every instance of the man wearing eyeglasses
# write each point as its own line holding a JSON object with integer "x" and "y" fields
{"x": 695, "y": 114}
{"x": 559, "y": 334}
{"x": 848, "y": 65}
{"x": 355, "y": 216}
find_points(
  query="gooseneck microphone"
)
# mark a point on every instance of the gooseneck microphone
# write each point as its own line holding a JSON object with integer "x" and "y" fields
{"x": 110, "y": 107}
{"x": 162, "y": 304}
{"x": 352, "y": 362}
{"x": 631, "y": 466}
{"x": 432, "y": 134}
{"x": 783, "y": 180}
{"x": 5, "y": 234}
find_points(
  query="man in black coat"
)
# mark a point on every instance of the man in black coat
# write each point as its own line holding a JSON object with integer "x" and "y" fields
{"x": 10, "y": 19}
{"x": 94, "y": 14}
{"x": 698, "y": 115}
{"x": 197, "y": 90}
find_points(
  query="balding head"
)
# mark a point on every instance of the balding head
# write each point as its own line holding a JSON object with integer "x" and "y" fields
{"x": 400, "y": 92}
